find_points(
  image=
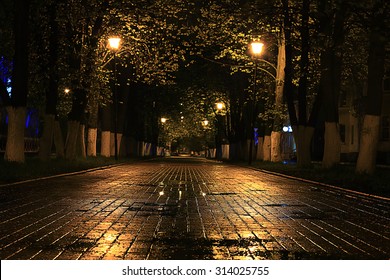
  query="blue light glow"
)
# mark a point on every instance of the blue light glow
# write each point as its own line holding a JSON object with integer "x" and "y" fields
{"x": 5, "y": 73}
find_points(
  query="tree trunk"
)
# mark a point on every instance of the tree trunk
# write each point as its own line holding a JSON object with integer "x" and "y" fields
{"x": 92, "y": 139}
{"x": 276, "y": 154}
{"x": 112, "y": 141}
{"x": 81, "y": 142}
{"x": 105, "y": 147}
{"x": 260, "y": 151}
{"x": 331, "y": 72}
{"x": 368, "y": 147}
{"x": 303, "y": 136}
{"x": 58, "y": 140}
{"x": 92, "y": 127}
{"x": 267, "y": 148}
{"x": 376, "y": 65}
{"x": 16, "y": 105}
{"x": 15, "y": 137}
{"x": 46, "y": 141}
{"x": 332, "y": 146}
{"x": 71, "y": 140}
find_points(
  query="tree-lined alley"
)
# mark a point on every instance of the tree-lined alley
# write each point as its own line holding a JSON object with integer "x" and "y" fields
{"x": 179, "y": 58}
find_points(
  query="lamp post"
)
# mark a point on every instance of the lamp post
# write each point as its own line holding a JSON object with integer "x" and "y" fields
{"x": 256, "y": 49}
{"x": 161, "y": 138}
{"x": 218, "y": 139}
{"x": 114, "y": 43}
{"x": 205, "y": 124}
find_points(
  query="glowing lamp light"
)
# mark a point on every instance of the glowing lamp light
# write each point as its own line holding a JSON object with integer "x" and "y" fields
{"x": 164, "y": 120}
{"x": 219, "y": 106}
{"x": 257, "y": 47}
{"x": 66, "y": 90}
{"x": 205, "y": 123}
{"x": 114, "y": 43}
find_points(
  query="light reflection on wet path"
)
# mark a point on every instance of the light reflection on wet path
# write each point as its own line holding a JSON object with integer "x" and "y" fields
{"x": 187, "y": 208}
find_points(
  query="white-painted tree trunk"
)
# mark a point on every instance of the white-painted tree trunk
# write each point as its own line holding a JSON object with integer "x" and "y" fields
{"x": 46, "y": 141}
{"x": 105, "y": 146}
{"x": 81, "y": 152}
{"x": 71, "y": 139}
{"x": 366, "y": 162}
{"x": 91, "y": 142}
{"x": 332, "y": 148}
{"x": 276, "y": 154}
{"x": 14, "y": 150}
{"x": 58, "y": 140}
{"x": 276, "y": 134}
{"x": 267, "y": 148}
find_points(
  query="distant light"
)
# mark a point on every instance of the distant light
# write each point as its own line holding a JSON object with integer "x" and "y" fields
{"x": 66, "y": 90}
{"x": 114, "y": 42}
{"x": 182, "y": 117}
{"x": 161, "y": 193}
{"x": 219, "y": 106}
{"x": 285, "y": 128}
{"x": 9, "y": 88}
{"x": 257, "y": 47}
{"x": 164, "y": 120}
{"x": 205, "y": 123}
{"x": 180, "y": 194}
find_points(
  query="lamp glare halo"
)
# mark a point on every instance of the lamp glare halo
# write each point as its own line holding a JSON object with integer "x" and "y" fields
{"x": 257, "y": 47}
{"x": 114, "y": 42}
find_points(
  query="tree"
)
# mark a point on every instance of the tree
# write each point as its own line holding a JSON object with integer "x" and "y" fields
{"x": 303, "y": 127}
{"x": 84, "y": 35}
{"x": 51, "y": 126}
{"x": 376, "y": 60}
{"x": 152, "y": 33}
{"x": 17, "y": 102}
{"x": 331, "y": 21}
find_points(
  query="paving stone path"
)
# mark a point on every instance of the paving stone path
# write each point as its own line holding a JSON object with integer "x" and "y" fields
{"x": 188, "y": 208}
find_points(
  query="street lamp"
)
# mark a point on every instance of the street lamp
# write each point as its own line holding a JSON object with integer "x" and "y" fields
{"x": 219, "y": 106}
{"x": 220, "y": 128}
{"x": 256, "y": 49}
{"x": 163, "y": 120}
{"x": 205, "y": 124}
{"x": 114, "y": 44}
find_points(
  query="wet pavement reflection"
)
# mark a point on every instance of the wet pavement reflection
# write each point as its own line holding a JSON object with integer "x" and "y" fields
{"x": 189, "y": 208}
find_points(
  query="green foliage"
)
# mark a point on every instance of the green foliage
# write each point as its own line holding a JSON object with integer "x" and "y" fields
{"x": 194, "y": 43}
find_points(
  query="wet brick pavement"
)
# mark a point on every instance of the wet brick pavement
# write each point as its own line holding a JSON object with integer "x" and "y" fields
{"x": 184, "y": 208}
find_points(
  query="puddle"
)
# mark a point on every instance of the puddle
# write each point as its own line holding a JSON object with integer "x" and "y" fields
{"x": 147, "y": 208}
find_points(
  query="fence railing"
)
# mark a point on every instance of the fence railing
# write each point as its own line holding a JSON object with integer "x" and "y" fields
{"x": 31, "y": 145}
